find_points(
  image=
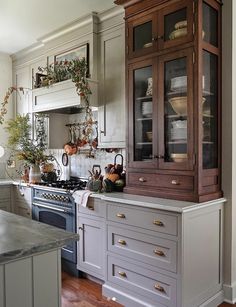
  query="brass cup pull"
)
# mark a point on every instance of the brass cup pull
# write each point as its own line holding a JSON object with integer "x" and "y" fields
{"x": 122, "y": 242}
{"x": 122, "y": 274}
{"x": 159, "y": 288}
{"x": 141, "y": 179}
{"x": 91, "y": 208}
{"x": 159, "y": 253}
{"x": 158, "y": 223}
{"x": 175, "y": 182}
{"x": 120, "y": 215}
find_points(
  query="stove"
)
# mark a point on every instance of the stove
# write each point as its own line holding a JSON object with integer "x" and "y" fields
{"x": 54, "y": 204}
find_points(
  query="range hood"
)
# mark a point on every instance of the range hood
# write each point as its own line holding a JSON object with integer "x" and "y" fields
{"x": 62, "y": 98}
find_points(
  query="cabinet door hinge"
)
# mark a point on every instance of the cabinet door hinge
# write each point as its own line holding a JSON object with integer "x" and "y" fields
{"x": 193, "y": 57}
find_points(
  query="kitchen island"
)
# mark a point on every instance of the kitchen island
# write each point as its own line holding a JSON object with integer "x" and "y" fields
{"x": 30, "y": 262}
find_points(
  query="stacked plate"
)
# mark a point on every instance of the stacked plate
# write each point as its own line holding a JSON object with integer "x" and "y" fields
{"x": 178, "y": 84}
{"x": 179, "y": 130}
{"x": 147, "y": 108}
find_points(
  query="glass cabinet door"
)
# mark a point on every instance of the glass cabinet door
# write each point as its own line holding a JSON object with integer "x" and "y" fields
{"x": 177, "y": 141}
{"x": 210, "y": 111}
{"x": 177, "y": 24}
{"x": 142, "y": 112}
{"x": 210, "y": 25}
{"x": 141, "y": 35}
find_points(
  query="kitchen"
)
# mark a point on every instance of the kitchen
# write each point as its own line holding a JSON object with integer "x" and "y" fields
{"x": 102, "y": 35}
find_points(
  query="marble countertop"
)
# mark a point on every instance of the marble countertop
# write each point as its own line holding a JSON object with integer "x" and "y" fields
{"x": 144, "y": 201}
{"x": 22, "y": 237}
{"x": 155, "y": 202}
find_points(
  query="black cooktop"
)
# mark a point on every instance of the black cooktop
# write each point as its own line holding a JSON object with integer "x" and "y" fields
{"x": 71, "y": 184}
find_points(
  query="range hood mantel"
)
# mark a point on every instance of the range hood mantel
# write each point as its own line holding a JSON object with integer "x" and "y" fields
{"x": 62, "y": 97}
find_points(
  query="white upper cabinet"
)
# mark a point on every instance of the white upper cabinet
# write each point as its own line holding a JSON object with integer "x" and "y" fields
{"x": 22, "y": 78}
{"x": 111, "y": 111}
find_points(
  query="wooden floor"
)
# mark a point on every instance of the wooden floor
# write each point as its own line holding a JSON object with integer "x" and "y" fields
{"x": 81, "y": 292}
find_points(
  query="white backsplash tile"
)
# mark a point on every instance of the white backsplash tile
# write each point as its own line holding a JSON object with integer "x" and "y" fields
{"x": 79, "y": 164}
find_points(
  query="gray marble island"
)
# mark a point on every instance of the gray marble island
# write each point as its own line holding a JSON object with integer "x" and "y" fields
{"x": 30, "y": 262}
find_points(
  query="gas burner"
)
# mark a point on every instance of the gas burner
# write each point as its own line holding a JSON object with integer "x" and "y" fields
{"x": 72, "y": 184}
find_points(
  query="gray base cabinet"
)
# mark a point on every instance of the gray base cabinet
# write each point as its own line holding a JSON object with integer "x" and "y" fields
{"x": 22, "y": 201}
{"x": 162, "y": 258}
{"x": 5, "y": 198}
{"x": 91, "y": 246}
{"x": 32, "y": 282}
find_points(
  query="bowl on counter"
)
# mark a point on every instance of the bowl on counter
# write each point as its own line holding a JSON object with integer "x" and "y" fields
{"x": 179, "y": 157}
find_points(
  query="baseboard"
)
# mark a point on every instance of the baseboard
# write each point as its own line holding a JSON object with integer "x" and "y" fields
{"x": 215, "y": 300}
{"x": 230, "y": 293}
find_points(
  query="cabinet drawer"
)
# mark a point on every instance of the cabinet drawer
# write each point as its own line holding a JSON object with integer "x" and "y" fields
{"x": 148, "y": 249}
{"x": 151, "y": 220}
{"x": 155, "y": 286}
{"x": 162, "y": 181}
{"x": 94, "y": 207}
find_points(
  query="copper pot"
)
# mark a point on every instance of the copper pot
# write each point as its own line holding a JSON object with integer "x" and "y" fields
{"x": 70, "y": 147}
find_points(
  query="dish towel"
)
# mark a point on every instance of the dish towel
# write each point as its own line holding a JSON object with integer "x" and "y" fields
{"x": 81, "y": 197}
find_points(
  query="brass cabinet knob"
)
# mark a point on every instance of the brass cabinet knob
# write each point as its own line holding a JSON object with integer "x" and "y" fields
{"x": 122, "y": 242}
{"x": 120, "y": 215}
{"x": 159, "y": 288}
{"x": 175, "y": 182}
{"x": 122, "y": 274}
{"x": 142, "y": 179}
{"x": 159, "y": 253}
{"x": 158, "y": 223}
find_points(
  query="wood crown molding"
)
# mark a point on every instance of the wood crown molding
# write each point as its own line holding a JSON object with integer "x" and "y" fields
{"x": 126, "y": 3}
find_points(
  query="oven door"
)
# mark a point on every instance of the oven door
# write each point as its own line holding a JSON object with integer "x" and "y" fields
{"x": 57, "y": 218}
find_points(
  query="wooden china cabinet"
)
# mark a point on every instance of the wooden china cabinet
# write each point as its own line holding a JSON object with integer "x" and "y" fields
{"x": 173, "y": 65}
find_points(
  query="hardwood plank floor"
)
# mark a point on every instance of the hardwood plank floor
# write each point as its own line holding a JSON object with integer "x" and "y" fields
{"x": 82, "y": 292}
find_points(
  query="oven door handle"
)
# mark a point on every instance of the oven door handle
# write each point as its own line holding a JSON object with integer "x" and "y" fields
{"x": 51, "y": 208}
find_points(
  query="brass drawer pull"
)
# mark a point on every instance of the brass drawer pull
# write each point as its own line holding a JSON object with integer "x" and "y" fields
{"x": 158, "y": 223}
{"x": 175, "y": 182}
{"x": 122, "y": 242}
{"x": 91, "y": 208}
{"x": 159, "y": 288}
{"x": 120, "y": 215}
{"x": 141, "y": 179}
{"x": 159, "y": 253}
{"x": 122, "y": 274}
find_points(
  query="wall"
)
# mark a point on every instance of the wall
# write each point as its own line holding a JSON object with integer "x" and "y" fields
{"x": 5, "y": 82}
{"x": 229, "y": 145}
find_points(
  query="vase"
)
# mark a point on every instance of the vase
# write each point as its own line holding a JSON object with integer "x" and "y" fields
{"x": 34, "y": 174}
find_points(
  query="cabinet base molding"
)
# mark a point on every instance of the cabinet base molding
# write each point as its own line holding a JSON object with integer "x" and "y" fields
{"x": 117, "y": 294}
{"x": 230, "y": 293}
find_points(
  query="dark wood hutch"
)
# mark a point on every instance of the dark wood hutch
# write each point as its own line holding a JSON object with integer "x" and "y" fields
{"x": 173, "y": 65}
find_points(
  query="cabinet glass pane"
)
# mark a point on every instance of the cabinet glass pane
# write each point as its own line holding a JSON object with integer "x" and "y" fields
{"x": 142, "y": 36}
{"x": 143, "y": 149}
{"x": 175, "y": 25}
{"x": 210, "y": 25}
{"x": 210, "y": 110}
{"x": 176, "y": 119}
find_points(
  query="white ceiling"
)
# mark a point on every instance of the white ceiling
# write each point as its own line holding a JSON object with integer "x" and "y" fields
{"x": 23, "y": 21}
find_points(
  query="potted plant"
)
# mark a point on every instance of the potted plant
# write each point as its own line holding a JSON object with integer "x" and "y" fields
{"x": 32, "y": 152}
